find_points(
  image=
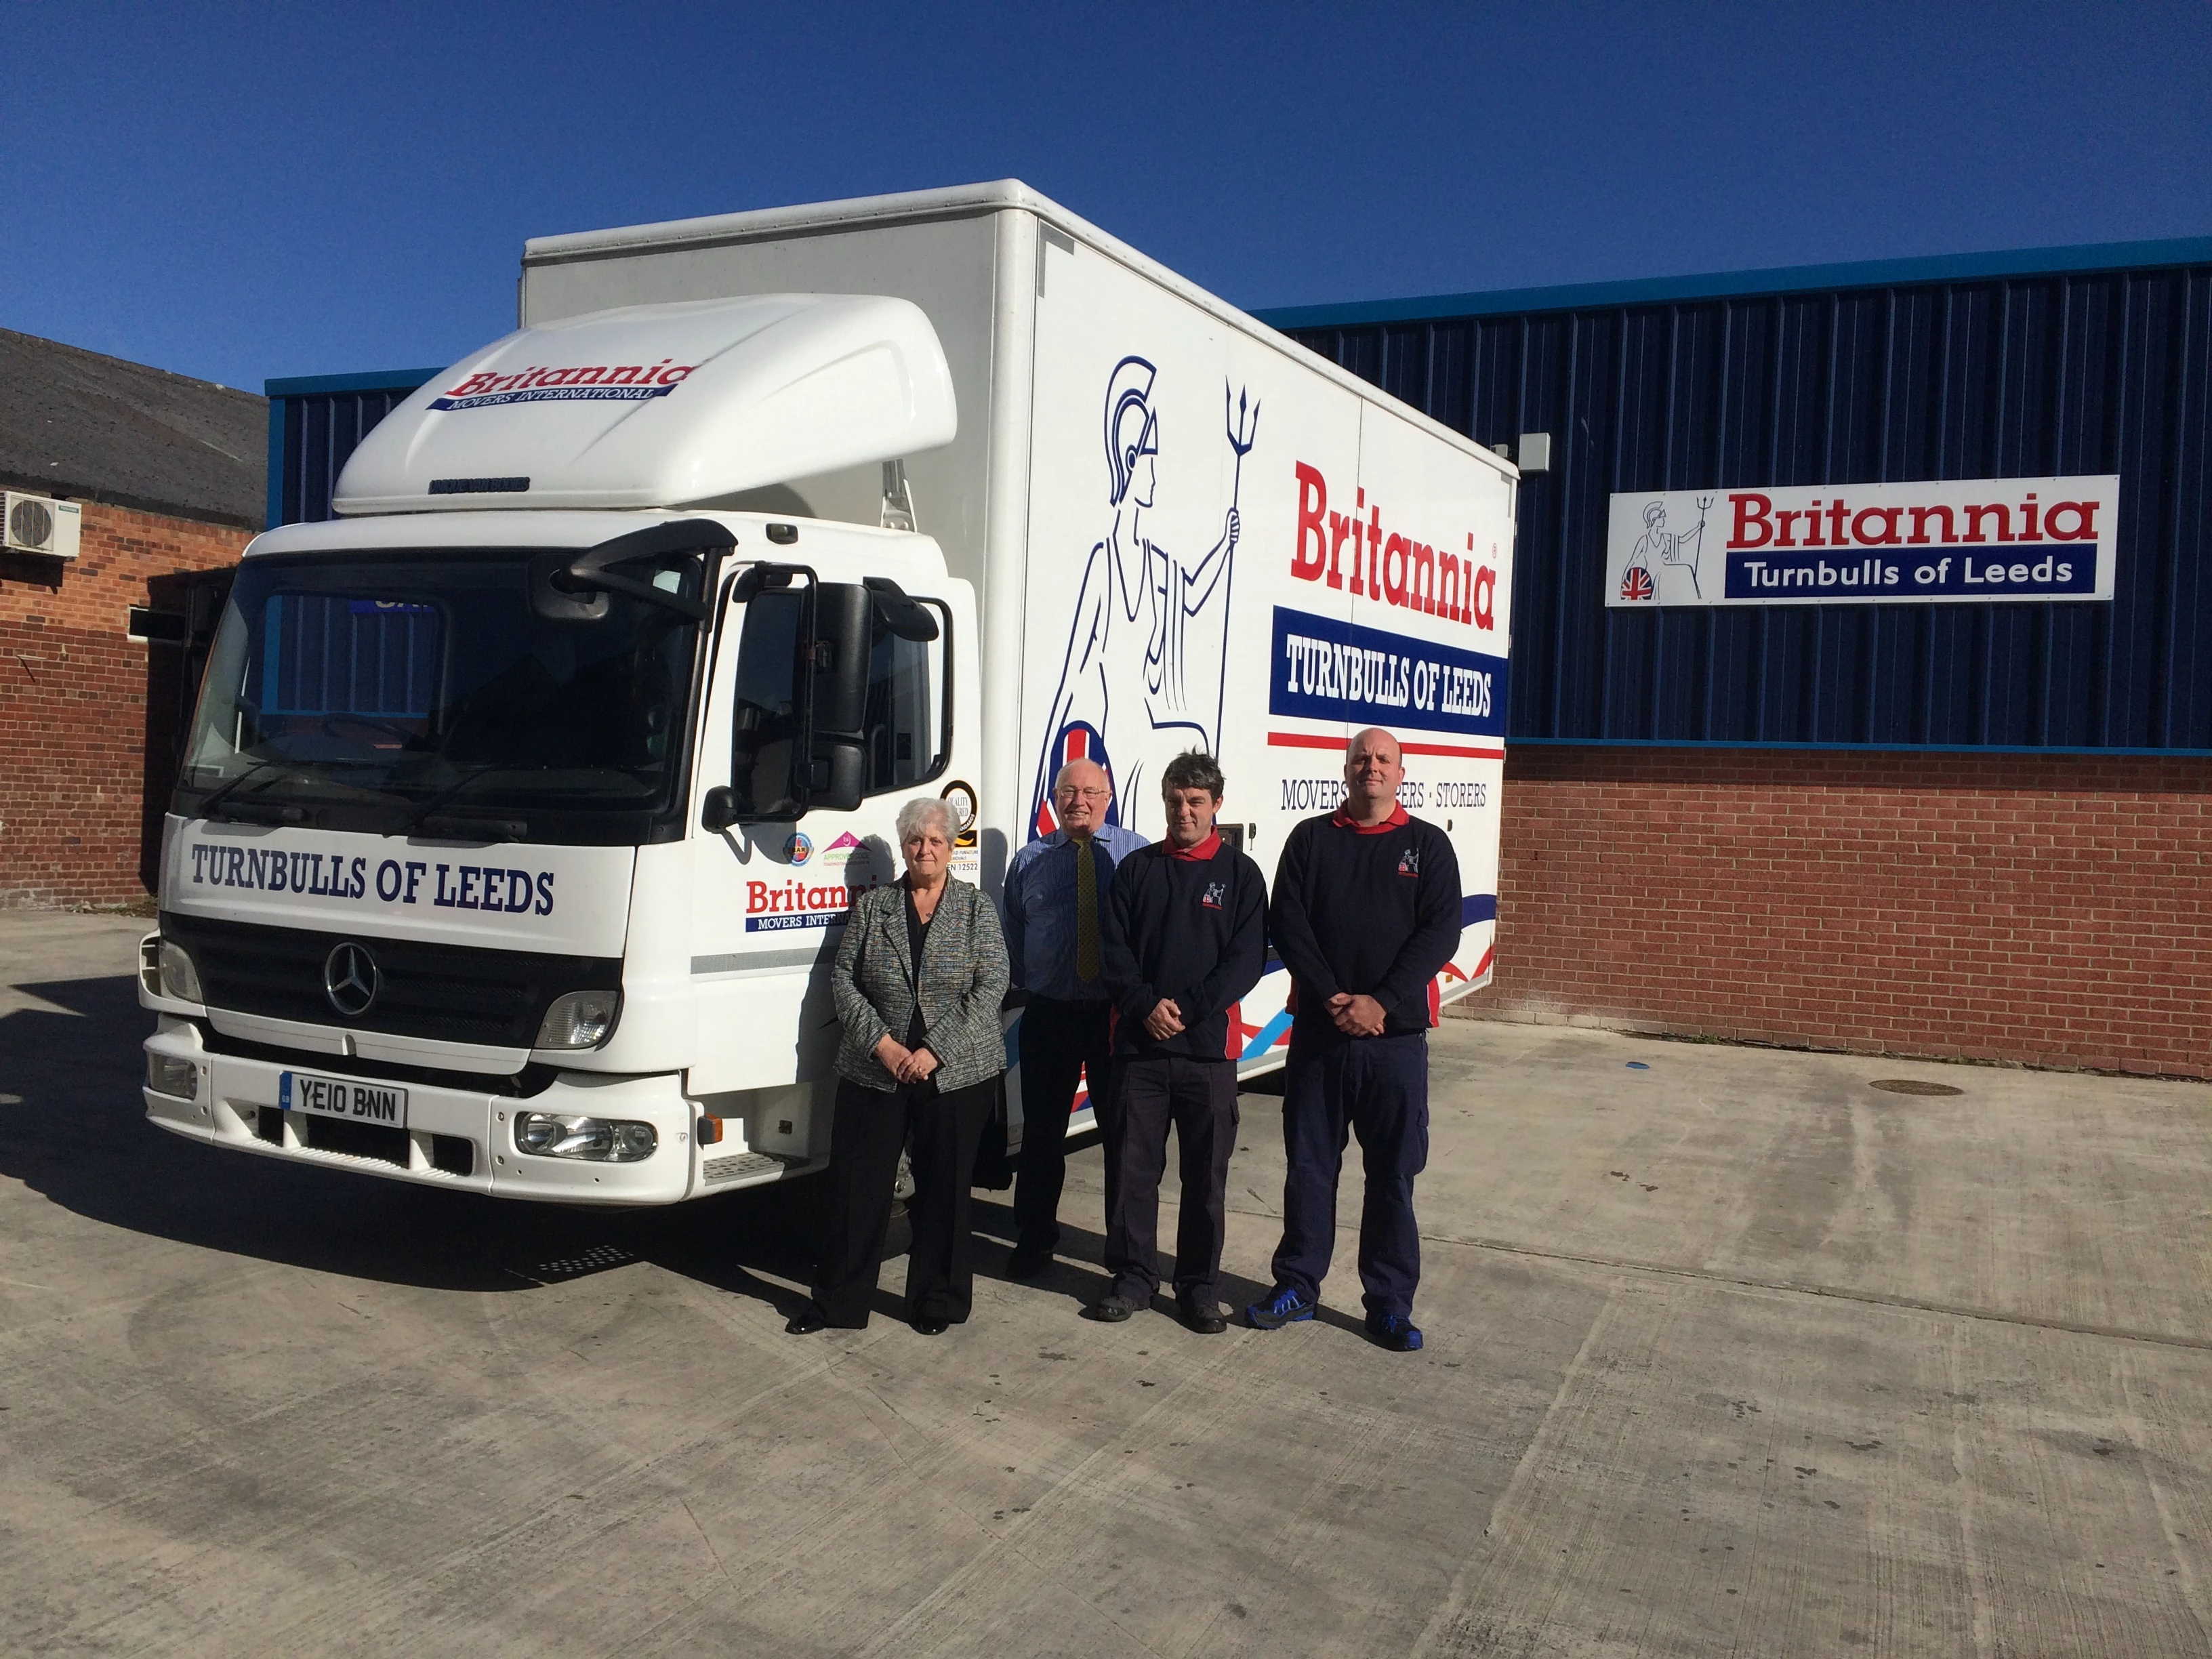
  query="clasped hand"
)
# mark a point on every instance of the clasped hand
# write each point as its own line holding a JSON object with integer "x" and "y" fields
{"x": 1164, "y": 1021}
{"x": 904, "y": 1064}
{"x": 1356, "y": 1015}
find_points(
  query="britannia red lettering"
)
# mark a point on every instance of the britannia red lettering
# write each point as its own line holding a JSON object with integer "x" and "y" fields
{"x": 2084, "y": 521}
{"x": 1921, "y": 516}
{"x": 1751, "y": 515}
{"x": 1997, "y": 510}
{"x": 1340, "y": 527}
{"x": 1885, "y": 517}
{"x": 1394, "y": 581}
{"x": 1421, "y": 577}
{"x": 1313, "y": 506}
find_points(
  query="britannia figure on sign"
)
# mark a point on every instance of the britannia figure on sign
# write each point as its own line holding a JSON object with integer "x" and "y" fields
{"x": 1659, "y": 545}
{"x": 1143, "y": 678}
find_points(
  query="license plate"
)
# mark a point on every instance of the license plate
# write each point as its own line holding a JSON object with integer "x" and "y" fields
{"x": 348, "y": 1097}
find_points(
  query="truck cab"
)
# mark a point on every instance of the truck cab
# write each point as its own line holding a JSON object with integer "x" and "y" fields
{"x": 521, "y": 803}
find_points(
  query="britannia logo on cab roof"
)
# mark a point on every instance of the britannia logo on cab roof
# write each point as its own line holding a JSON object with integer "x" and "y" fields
{"x": 596, "y": 383}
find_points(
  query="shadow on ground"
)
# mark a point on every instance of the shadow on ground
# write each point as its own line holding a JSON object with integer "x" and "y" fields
{"x": 77, "y": 1134}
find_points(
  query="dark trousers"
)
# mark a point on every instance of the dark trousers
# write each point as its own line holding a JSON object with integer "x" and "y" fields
{"x": 1058, "y": 1040}
{"x": 871, "y": 1129}
{"x": 1199, "y": 1097}
{"x": 1377, "y": 1088}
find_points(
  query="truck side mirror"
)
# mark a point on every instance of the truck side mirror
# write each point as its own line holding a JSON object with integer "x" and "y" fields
{"x": 842, "y": 634}
{"x": 840, "y": 770}
{"x": 799, "y": 738}
{"x": 836, "y": 761}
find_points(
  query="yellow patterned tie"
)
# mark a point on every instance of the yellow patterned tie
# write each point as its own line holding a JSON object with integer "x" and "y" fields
{"x": 1086, "y": 915}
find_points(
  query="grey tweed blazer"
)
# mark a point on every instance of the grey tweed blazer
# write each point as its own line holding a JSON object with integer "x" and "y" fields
{"x": 963, "y": 980}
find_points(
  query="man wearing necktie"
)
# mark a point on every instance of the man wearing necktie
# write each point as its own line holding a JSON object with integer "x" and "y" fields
{"x": 1056, "y": 893}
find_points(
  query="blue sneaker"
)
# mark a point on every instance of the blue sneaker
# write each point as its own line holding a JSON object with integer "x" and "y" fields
{"x": 1284, "y": 1306}
{"x": 1394, "y": 1332}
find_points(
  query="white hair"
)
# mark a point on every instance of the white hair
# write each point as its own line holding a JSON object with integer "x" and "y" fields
{"x": 920, "y": 810}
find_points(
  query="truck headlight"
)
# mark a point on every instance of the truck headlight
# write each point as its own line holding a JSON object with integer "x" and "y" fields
{"x": 168, "y": 1075}
{"x": 179, "y": 978}
{"x": 567, "y": 1134}
{"x": 581, "y": 1019}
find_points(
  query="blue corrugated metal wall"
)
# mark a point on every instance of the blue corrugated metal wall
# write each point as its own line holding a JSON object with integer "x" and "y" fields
{"x": 1854, "y": 375}
{"x": 314, "y": 424}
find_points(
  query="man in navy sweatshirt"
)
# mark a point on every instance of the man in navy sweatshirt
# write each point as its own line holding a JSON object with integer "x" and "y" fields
{"x": 1366, "y": 913}
{"x": 1185, "y": 937}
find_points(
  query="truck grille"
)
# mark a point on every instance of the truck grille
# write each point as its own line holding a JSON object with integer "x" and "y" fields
{"x": 447, "y": 992}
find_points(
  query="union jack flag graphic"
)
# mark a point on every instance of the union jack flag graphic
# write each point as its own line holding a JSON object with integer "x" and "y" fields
{"x": 1078, "y": 740}
{"x": 1636, "y": 583}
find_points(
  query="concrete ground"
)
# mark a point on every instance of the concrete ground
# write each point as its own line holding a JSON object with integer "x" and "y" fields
{"x": 1729, "y": 1353}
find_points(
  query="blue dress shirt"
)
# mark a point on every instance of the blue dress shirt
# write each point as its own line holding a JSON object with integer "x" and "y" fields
{"x": 1039, "y": 902}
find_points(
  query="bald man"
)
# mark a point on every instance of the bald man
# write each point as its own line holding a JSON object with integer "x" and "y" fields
{"x": 1055, "y": 900}
{"x": 1365, "y": 914}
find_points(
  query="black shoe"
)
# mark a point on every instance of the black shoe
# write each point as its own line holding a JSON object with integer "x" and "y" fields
{"x": 807, "y": 1321}
{"x": 1284, "y": 1306}
{"x": 1028, "y": 1261}
{"x": 1112, "y": 1309}
{"x": 1394, "y": 1332}
{"x": 930, "y": 1325}
{"x": 1203, "y": 1317}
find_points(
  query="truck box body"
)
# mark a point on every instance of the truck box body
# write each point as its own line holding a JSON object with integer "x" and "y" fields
{"x": 1139, "y": 522}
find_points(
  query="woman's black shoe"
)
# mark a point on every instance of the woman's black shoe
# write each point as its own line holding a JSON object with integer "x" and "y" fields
{"x": 807, "y": 1321}
{"x": 931, "y": 1326}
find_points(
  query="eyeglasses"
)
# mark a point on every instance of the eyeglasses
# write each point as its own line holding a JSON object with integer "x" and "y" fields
{"x": 1071, "y": 792}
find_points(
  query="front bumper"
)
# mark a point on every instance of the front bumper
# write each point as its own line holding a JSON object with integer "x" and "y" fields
{"x": 457, "y": 1137}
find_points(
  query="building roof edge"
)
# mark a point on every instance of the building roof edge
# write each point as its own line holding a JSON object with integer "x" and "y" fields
{"x": 388, "y": 379}
{"x": 2084, "y": 257}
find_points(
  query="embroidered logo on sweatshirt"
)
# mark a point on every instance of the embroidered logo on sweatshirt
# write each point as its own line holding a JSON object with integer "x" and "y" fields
{"x": 1409, "y": 862}
{"x": 1215, "y": 895}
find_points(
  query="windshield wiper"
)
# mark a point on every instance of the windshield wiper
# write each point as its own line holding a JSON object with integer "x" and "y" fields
{"x": 421, "y": 813}
{"x": 223, "y": 793}
{"x": 297, "y": 773}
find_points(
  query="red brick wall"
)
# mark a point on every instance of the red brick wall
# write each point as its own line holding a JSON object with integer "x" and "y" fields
{"x": 82, "y": 707}
{"x": 2051, "y": 910}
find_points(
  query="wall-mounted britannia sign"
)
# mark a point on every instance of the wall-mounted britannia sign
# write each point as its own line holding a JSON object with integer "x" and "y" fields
{"x": 1938, "y": 542}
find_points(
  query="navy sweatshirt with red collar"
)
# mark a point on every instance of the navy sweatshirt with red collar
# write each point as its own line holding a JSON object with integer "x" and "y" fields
{"x": 1372, "y": 911}
{"x": 1189, "y": 925}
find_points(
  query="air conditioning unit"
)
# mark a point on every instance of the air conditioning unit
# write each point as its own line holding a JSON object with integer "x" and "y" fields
{"x": 37, "y": 524}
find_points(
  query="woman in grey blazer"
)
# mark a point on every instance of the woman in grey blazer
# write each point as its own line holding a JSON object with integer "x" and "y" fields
{"x": 919, "y": 981}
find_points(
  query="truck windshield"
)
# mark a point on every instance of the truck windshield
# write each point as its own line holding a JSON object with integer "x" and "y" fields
{"x": 389, "y": 692}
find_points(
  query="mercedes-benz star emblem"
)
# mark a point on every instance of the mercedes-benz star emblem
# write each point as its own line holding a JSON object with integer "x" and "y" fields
{"x": 351, "y": 979}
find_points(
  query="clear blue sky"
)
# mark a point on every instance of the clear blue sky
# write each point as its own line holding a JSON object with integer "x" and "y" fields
{"x": 236, "y": 192}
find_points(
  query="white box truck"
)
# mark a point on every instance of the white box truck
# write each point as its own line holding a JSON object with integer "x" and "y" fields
{"x": 524, "y": 800}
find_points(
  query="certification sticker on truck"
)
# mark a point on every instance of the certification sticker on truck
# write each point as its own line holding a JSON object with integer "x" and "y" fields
{"x": 348, "y": 1097}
